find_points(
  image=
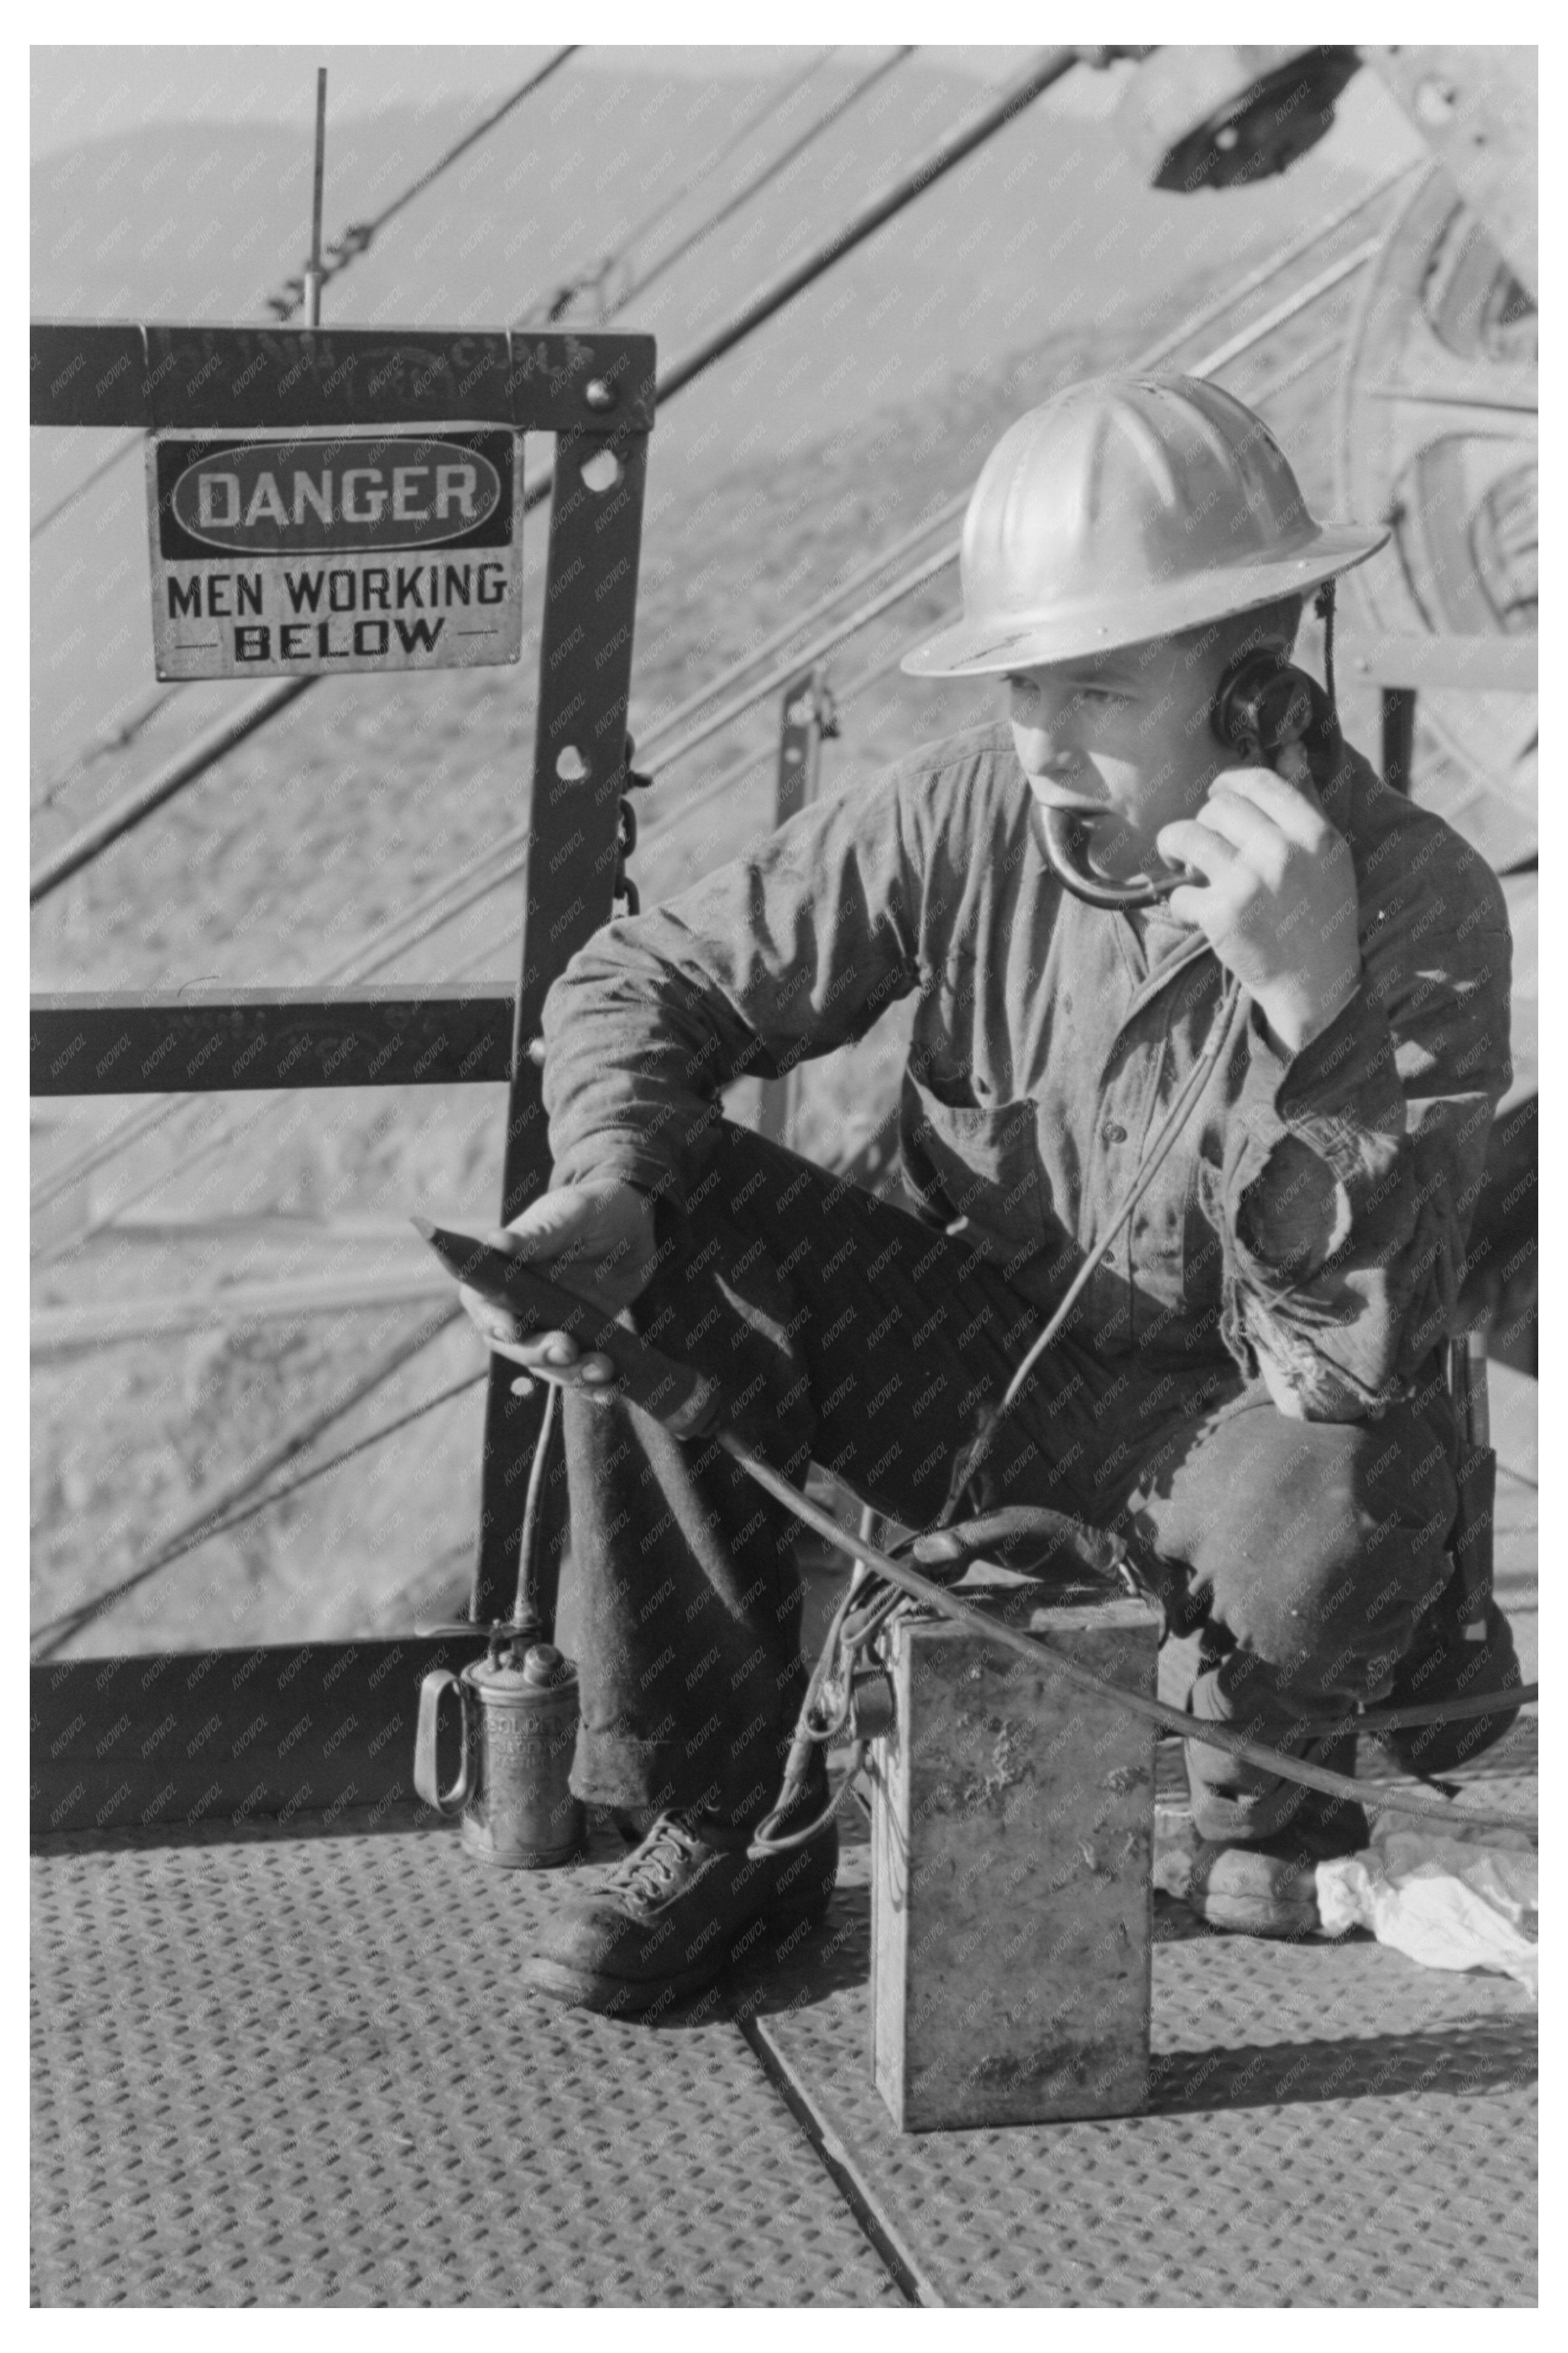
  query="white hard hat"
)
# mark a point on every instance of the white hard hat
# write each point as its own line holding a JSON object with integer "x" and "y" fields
{"x": 1129, "y": 507}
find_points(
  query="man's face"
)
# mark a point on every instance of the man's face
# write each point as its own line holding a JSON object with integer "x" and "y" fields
{"x": 1125, "y": 735}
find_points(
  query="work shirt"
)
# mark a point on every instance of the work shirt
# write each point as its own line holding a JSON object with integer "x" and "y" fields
{"x": 1310, "y": 1220}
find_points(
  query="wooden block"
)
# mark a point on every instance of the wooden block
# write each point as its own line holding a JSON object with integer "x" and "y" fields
{"x": 1012, "y": 1870}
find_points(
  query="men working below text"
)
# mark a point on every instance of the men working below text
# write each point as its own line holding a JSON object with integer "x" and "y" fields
{"x": 1250, "y": 1389}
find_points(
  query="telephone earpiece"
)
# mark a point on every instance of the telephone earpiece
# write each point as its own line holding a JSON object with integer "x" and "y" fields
{"x": 1261, "y": 704}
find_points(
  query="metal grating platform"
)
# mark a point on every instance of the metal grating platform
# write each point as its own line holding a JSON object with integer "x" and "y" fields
{"x": 1332, "y": 2125}
{"x": 293, "y": 2069}
{"x": 289, "y": 2066}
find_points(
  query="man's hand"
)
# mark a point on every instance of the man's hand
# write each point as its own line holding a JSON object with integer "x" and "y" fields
{"x": 595, "y": 1240}
{"x": 1278, "y": 902}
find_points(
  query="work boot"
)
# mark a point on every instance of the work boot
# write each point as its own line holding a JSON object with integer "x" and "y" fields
{"x": 667, "y": 1921}
{"x": 1269, "y": 1887}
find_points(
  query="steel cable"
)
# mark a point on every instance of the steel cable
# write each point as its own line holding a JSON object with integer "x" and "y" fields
{"x": 769, "y": 172}
{"x": 960, "y": 143}
{"x": 356, "y": 239}
{"x": 69, "y": 1623}
{"x": 294, "y": 1440}
{"x": 542, "y": 308}
{"x": 359, "y": 236}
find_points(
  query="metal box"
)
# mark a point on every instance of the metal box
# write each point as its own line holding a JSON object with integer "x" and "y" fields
{"x": 1012, "y": 1849}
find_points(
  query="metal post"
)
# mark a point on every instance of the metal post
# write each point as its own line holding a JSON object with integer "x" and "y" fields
{"x": 1398, "y": 736}
{"x": 313, "y": 269}
{"x": 806, "y": 719}
{"x": 579, "y": 763}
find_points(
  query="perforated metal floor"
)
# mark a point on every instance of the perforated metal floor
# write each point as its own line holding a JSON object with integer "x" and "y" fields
{"x": 289, "y": 2067}
{"x": 295, "y": 2069}
{"x": 1332, "y": 2125}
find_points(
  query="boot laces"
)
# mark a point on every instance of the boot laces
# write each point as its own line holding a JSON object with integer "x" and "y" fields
{"x": 653, "y": 1869}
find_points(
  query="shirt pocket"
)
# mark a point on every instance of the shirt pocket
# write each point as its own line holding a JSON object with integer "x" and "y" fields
{"x": 977, "y": 1171}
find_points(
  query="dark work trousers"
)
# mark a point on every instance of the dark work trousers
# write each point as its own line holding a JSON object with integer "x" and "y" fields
{"x": 845, "y": 1332}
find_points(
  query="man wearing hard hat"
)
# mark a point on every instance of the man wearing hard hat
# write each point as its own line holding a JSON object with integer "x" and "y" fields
{"x": 1206, "y": 1020}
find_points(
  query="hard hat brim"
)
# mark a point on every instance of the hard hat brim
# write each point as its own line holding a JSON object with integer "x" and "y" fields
{"x": 1069, "y": 632}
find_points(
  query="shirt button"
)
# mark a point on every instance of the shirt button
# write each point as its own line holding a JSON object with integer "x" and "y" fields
{"x": 1113, "y": 1132}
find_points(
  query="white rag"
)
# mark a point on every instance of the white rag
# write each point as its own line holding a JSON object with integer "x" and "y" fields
{"x": 1453, "y": 1899}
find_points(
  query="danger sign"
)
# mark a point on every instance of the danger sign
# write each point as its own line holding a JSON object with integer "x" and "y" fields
{"x": 276, "y": 558}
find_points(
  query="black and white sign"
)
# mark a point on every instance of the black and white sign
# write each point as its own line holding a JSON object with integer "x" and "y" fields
{"x": 276, "y": 558}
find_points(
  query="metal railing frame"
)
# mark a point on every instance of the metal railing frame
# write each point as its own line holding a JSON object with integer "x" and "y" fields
{"x": 595, "y": 393}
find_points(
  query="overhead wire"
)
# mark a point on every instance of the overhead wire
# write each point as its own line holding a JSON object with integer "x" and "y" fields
{"x": 80, "y": 489}
{"x": 118, "y": 739}
{"x": 1237, "y": 291}
{"x": 359, "y": 236}
{"x": 55, "y": 1633}
{"x": 293, "y": 1442}
{"x": 762, "y": 178}
{"x": 901, "y": 188}
{"x": 356, "y": 239}
{"x": 542, "y": 308}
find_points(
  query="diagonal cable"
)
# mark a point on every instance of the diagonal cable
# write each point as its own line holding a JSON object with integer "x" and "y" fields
{"x": 359, "y": 236}
{"x": 769, "y": 172}
{"x": 541, "y": 308}
{"x": 56, "y": 1631}
{"x": 356, "y": 239}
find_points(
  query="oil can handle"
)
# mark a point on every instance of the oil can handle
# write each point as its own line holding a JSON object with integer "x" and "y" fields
{"x": 426, "y": 1777}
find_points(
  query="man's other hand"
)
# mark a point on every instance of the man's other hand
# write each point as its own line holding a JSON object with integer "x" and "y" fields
{"x": 596, "y": 1240}
{"x": 1277, "y": 900}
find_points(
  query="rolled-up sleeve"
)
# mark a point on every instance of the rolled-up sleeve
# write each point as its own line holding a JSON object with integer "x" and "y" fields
{"x": 1352, "y": 1167}
{"x": 783, "y": 954}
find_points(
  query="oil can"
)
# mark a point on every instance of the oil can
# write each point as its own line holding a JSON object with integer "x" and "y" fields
{"x": 519, "y": 1718}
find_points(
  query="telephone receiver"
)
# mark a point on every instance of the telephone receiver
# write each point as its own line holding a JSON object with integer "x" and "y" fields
{"x": 1261, "y": 704}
